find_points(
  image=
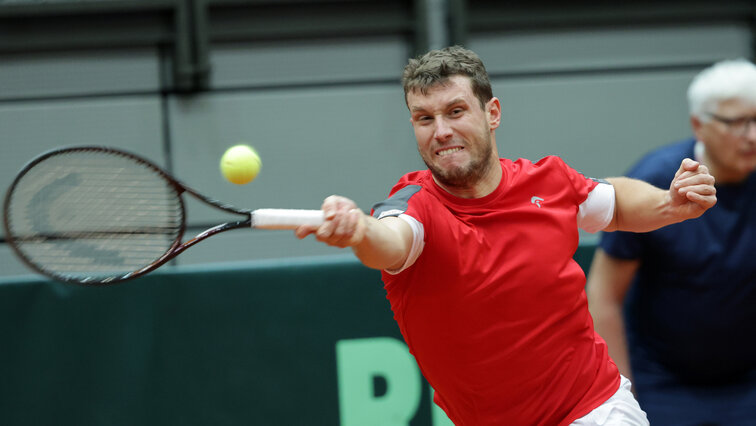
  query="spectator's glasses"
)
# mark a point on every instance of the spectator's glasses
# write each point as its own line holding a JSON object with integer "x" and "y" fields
{"x": 738, "y": 125}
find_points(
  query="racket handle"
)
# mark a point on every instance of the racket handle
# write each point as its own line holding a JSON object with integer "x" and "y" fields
{"x": 285, "y": 218}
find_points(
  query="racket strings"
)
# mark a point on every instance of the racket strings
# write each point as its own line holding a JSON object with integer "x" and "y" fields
{"x": 91, "y": 213}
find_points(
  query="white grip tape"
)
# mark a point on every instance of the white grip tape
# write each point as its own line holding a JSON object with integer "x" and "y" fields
{"x": 285, "y": 218}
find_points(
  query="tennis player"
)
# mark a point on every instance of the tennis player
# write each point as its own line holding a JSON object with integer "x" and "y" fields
{"x": 476, "y": 253}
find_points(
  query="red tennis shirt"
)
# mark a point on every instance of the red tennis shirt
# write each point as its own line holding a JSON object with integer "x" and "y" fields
{"x": 494, "y": 308}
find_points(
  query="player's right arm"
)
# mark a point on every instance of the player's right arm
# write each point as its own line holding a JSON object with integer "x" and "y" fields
{"x": 609, "y": 279}
{"x": 379, "y": 244}
{"x": 641, "y": 207}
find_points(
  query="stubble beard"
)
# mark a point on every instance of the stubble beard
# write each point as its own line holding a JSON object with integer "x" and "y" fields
{"x": 466, "y": 176}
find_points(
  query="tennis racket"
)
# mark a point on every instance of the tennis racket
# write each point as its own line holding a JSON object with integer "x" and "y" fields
{"x": 97, "y": 215}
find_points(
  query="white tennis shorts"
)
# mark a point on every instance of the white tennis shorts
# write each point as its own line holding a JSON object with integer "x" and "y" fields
{"x": 621, "y": 410}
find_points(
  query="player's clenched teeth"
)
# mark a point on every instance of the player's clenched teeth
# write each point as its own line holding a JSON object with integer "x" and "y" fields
{"x": 448, "y": 151}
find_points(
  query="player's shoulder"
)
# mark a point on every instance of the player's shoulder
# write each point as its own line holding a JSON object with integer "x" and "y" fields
{"x": 551, "y": 161}
{"x": 660, "y": 165}
{"x": 417, "y": 179}
{"x": 410, "y": 188}
{"x": 524, "y": 163}
{"x": 524, "y": 166}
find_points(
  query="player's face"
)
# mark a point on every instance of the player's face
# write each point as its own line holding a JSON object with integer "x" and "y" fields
{"x": 731, "y": 154}
{"x": 454, "y": 133}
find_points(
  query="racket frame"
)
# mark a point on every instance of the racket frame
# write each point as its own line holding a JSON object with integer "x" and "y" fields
{"x": 176, "y": 248}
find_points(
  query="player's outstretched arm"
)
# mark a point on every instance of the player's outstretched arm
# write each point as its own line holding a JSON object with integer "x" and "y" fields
{"x": 379, "y": 244}
{"x": 641, "y": 207}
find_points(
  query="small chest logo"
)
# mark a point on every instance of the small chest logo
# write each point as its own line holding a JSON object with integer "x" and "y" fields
{"x": 536, "y": 200}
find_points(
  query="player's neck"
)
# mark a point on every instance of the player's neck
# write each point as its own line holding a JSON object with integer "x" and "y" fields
{"x": 482, "y": 187}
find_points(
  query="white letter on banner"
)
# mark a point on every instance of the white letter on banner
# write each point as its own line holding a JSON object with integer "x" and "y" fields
{"x": 358, "y": 363}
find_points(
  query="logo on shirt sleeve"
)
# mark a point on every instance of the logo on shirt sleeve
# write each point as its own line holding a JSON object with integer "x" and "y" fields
{"x": 536, "y": 200}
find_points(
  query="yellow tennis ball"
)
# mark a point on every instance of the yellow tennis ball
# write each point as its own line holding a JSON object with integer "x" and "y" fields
{"x": 240, "y": 164}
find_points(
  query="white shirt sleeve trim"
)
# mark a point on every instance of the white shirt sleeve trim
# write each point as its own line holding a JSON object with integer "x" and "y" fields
{"x": 418, "y": 243}
{"x": 597, "y": 210}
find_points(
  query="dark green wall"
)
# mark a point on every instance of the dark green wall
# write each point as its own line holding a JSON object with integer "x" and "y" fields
{"x": 250, "y": 344}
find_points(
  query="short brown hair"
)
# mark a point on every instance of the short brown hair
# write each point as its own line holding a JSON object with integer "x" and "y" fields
{"x": 436, "y": 66}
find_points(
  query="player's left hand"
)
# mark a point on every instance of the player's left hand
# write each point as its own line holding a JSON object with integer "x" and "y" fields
{"x": 692, "y": 190}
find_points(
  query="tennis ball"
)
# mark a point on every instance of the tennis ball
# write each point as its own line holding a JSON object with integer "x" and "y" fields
{"x": 240, "y": 164}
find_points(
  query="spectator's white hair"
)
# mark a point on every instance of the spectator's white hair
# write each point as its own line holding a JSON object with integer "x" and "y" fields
{"x": 725, "y": 80}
